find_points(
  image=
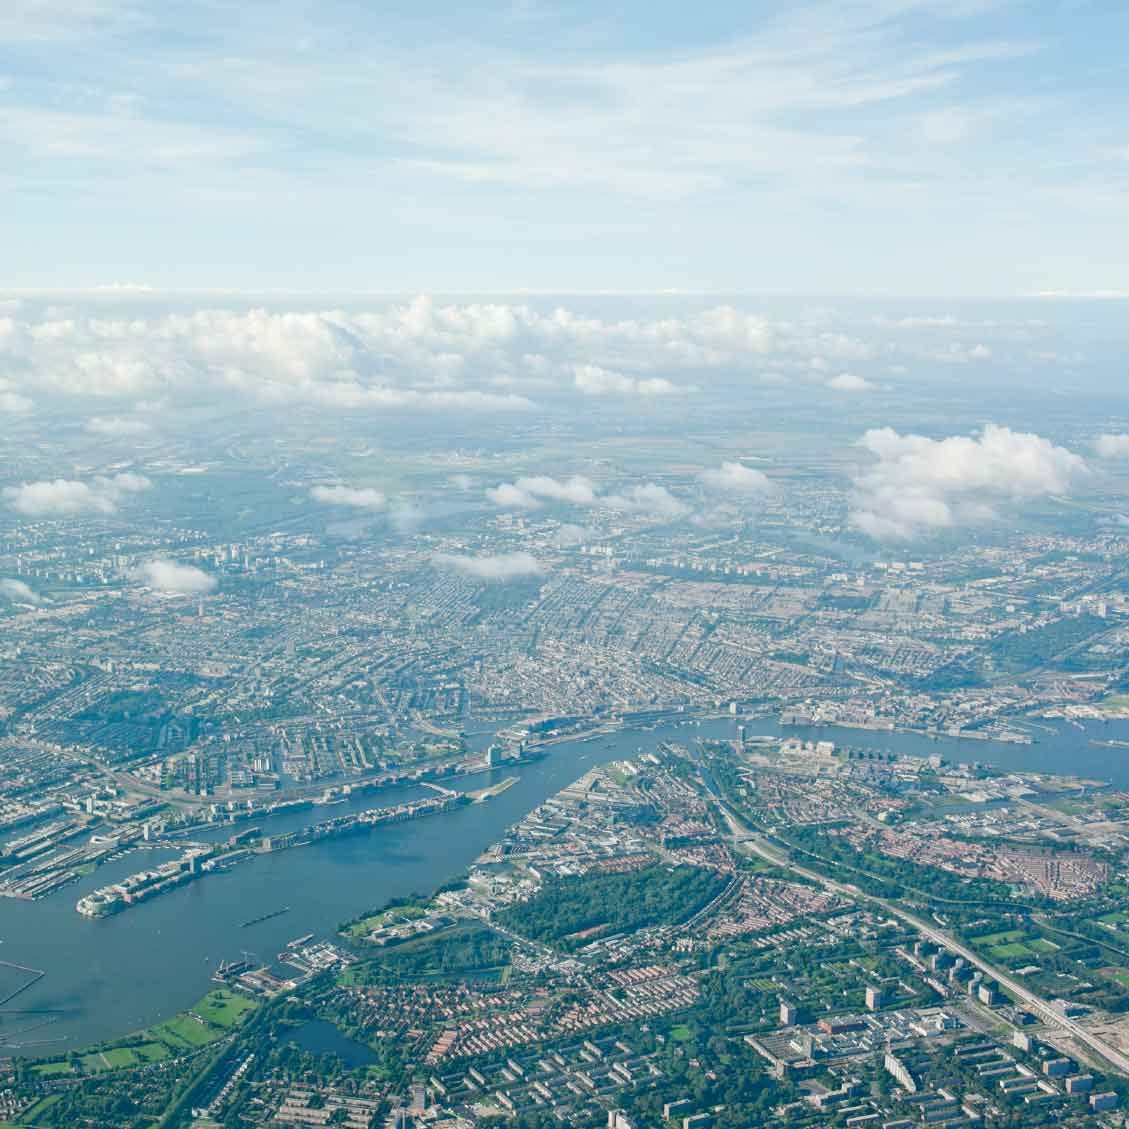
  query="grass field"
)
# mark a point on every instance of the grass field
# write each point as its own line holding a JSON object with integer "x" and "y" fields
{"x": 183, "y": 1031}
{"x": 1010, "y": 951}
{"x": 224, "y": 1008}
{"x": 216, "y": 1014}
{"x": 52, "y": 1069}
{"x": 1008, "y": 937}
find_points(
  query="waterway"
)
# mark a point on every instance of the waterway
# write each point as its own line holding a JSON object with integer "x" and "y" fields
{"x": 321, "y": 1037}
{"x": 105, "y": 978}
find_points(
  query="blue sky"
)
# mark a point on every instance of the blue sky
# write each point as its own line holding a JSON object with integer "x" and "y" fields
{"x": 851, "y": 147}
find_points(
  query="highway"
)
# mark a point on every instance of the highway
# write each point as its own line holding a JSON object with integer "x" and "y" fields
{"x": 741, "y": 833}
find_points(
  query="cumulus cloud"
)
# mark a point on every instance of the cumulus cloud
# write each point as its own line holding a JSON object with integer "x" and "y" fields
{"x": 64, "y": 497}
{"x": 1111, "y": 446}
{"x": 494, "y": 568}
{"x": 12, "y": 403}
{"x": 920, "y": 485}
{"x": 851, "y": 382}
{"x": 510, "y": 496}
{"x": 177, "y": 579}
{"x": 116, "y": 425}
{"x": 361, "y": 498}
{"x": 736, "y": 478}
{"x": 528, "y": 492}
{"x": 462, "y": 482}
{"x": 417, "y": 356}
{"x": 593, "y": 380}
{"x": 649, "y": 499}
{"x": 19, "y": 592}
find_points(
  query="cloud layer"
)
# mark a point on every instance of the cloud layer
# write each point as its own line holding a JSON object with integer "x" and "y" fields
{"x": 416, "y": 356}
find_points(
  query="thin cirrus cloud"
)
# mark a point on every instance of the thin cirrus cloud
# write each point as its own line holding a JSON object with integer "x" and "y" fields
{"x": 175, "y": 579}
{"x": 758, "y": 116}
{"x": 496, "y": 568}
{"x": 918, "y": 486}
{"x": 63, "y": 497}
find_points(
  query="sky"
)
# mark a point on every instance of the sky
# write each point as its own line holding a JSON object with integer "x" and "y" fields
{"x": 853, "y": 147}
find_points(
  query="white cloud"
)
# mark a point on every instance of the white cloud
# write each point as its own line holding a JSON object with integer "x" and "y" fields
{"x": 420, "y": 356}
{"x": 404, "y": 517}
{"x": 508, "y": 496}
{"x": 851, "y": 382}
{"x": 116, "y": 425}
{"x": 920, "y": 485}
{"x": 362, "y": 498}
{"x": 19, "y": 592}
{"x": 568, "y": 536}
{"x": 736, "y": 478}
{"x": 649, "y": 499}
{"x": 528, "y": 492}
{"x": 177, "y": 579}
{"x": 1112, "y": 446}
{"x": 462, "y": 482}
{"x": 499, "y": 568}
{"x": 577, "y": 490}
{"x": 62, "y": 497}
{"x": 593, "y": 380}
{"x": 12, "y": 403}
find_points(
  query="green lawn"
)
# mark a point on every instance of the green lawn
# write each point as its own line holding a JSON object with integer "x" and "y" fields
{"x": 224, "y": 1008}
{"x": 184, "y": 1031}
{"x": 216, "y": 1013}
{"x": 1011, "y": 951}
{"x": 52, "y": 1069}
{"x": 1007, "y": 937}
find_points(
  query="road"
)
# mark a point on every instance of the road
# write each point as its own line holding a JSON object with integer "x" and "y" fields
{"x": 741, "y": 833}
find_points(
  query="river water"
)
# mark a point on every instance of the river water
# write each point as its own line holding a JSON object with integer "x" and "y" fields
{"x": 105, "y": 978}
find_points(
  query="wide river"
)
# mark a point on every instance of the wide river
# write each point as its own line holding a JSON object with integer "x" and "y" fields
{"x": 105, "y": 978}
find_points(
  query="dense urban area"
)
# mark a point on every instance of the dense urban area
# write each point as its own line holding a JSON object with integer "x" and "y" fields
{"x": 832, "y": 828}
